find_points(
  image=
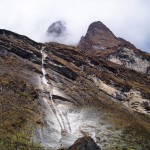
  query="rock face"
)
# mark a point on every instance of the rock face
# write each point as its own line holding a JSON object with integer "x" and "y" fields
{"x": 100, "y": 42}
{"x": 131, "y": 58}
{"x": 85, "y": 143}
{"x": 57, "y": 29}
{"x": 53, "y": 94}
{"x": 98, "y": 37}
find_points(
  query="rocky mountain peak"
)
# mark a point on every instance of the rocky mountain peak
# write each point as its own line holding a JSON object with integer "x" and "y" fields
{"x": 57, "y": 28}
{"x": 98, "y": 25}
{"x": 98, "y": 37}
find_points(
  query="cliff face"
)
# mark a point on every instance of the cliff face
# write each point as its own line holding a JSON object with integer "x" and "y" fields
{"x": 131, "y": 58}
{"x": 100, "y": 42}
{"x": 60, "y": 95}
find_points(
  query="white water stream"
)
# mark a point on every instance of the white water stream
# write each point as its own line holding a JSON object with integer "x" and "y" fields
{"x": 63, "y": 122}
{"x": 61, "y": 118}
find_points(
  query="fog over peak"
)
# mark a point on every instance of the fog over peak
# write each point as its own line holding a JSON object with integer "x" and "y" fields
{"x": 129, "y": 19}
{"x": 57, "y": 32}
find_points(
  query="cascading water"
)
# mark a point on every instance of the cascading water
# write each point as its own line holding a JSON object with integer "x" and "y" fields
{"x": 59, "y": 115}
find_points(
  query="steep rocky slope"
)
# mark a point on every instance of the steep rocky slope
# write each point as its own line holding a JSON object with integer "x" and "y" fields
{"x": 20, "y": 108}
{"x": 52, "y": 94}
{"x": 100, "y": 42}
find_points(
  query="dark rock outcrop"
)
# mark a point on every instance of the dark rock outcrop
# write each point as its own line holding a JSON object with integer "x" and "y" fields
{"x": 98, "y": 37}
{"x": 84, "y": 143}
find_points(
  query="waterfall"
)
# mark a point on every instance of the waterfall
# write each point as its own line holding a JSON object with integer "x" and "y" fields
{"x": 61, "y": 118}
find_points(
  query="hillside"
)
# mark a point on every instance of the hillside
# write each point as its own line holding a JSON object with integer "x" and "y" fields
{"x": 52, "y": 94}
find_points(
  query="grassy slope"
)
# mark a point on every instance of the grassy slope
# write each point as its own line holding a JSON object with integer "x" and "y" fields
{"x": 19, "y": 112}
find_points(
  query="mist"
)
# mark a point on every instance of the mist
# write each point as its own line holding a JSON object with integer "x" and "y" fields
{"x": 129, "y": 19}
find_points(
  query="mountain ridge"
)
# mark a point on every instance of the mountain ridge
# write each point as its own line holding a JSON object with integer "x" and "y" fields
{"x": 100, "y": 42}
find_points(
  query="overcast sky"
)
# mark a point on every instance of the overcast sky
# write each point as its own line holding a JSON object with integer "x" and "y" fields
{"x": 129, "y": 19}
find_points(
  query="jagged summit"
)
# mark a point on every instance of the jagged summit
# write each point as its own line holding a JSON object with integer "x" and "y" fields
{"x": 98, "y": 37}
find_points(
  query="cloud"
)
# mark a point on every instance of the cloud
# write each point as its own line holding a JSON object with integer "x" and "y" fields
{"x": 129, "y": 19}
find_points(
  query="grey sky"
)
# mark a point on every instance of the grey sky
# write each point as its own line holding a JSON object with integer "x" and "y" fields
{"x": 129, "y": 19}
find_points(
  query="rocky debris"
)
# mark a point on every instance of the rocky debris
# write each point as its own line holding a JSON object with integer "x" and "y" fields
{"x": 84, "y": 143}
{"x": 57, "y": 29}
